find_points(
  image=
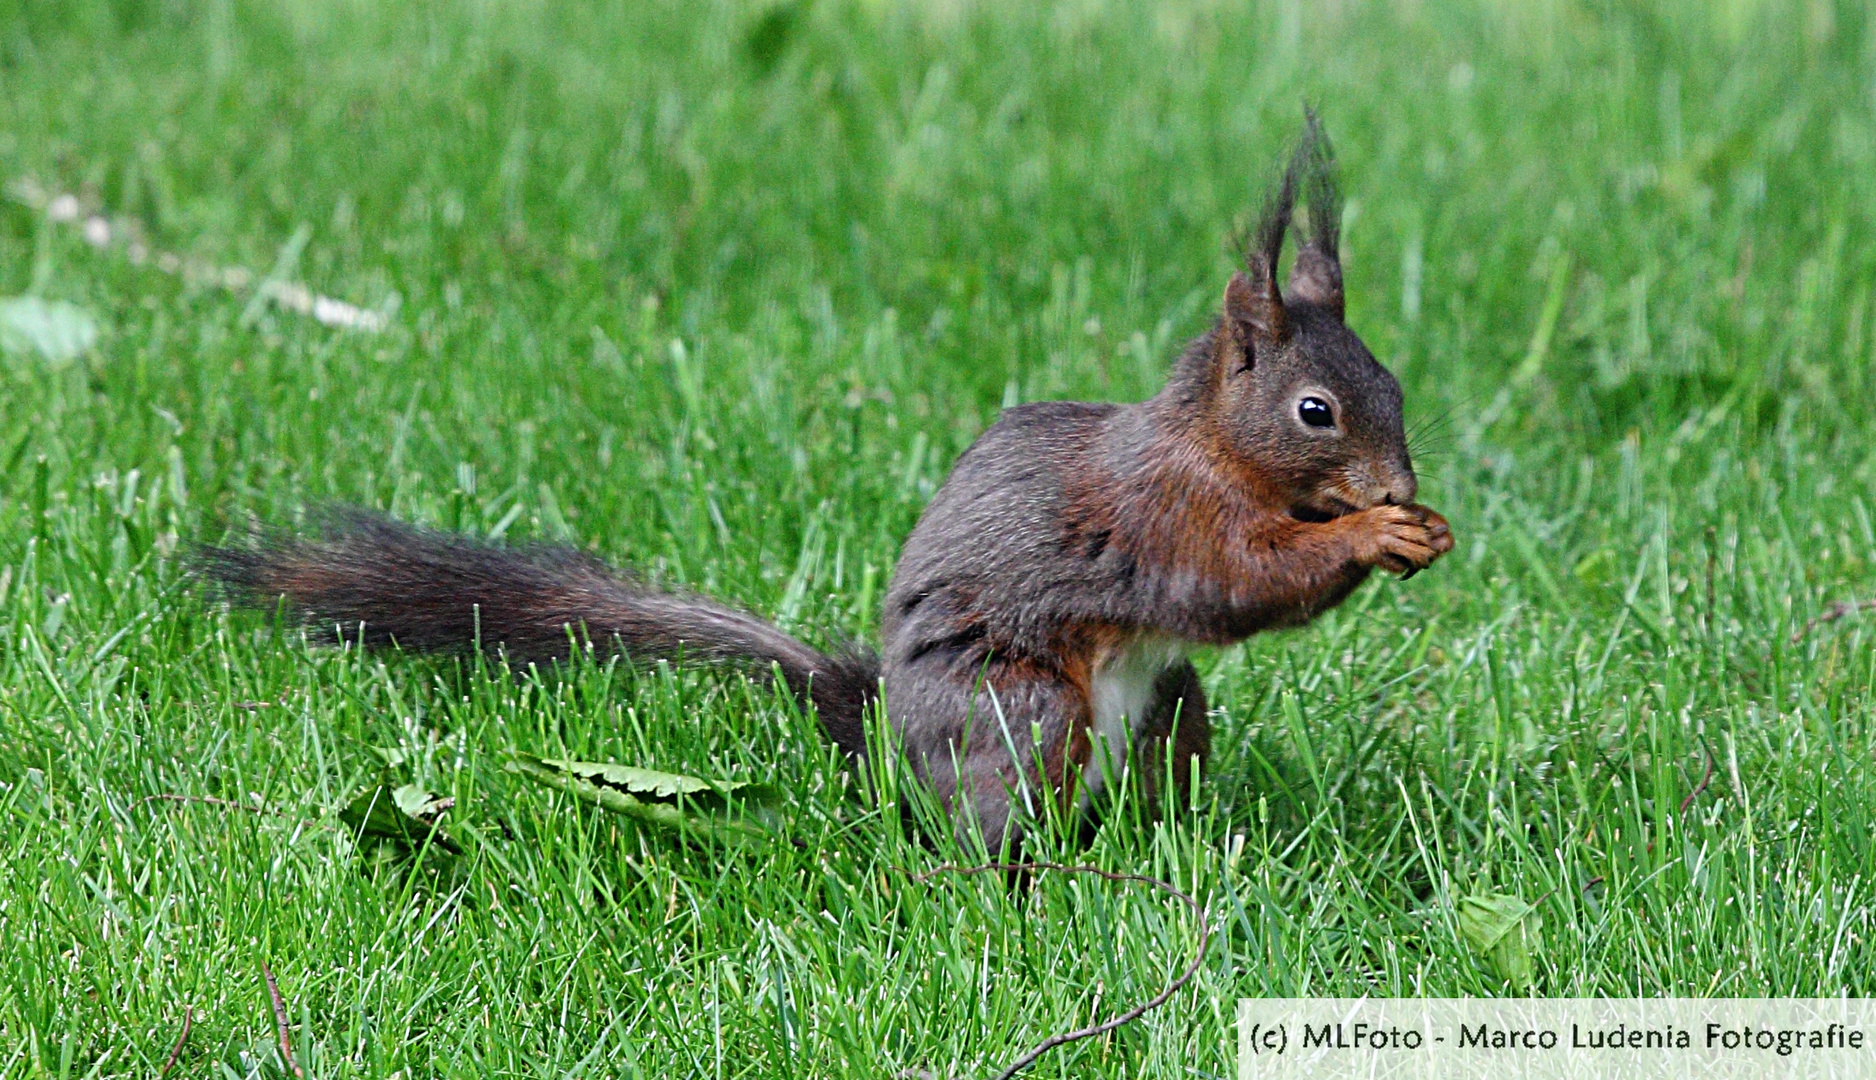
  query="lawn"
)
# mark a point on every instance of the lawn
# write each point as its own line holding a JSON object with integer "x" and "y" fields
{"x": 719, "y": 291}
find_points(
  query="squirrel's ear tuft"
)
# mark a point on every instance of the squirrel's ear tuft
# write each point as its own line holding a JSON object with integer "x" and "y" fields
{"x": 1253, "y": 304}
{"x": 1316, "y": 278}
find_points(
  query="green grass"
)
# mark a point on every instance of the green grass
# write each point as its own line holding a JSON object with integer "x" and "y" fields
{"x": 719, "y": 291}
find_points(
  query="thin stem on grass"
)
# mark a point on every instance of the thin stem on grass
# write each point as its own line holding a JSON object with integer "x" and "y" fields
{"x": 1119, "y": 1019}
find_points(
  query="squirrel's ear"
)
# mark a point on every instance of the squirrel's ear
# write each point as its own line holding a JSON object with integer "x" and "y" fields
{"x": 1317, "y": 276}
{"x": 1317, "y": 279}
{"x": 1253, "y": 315}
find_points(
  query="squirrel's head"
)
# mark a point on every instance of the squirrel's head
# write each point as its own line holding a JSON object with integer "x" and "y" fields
{"x": 1282, "y": 384}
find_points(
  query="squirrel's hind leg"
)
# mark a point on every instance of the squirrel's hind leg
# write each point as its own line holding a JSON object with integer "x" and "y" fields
{"x": 998, "y": 742}
{"x": 1177, "y": 724}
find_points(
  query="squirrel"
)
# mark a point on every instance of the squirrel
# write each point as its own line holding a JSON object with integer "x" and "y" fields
{"x": 1036, "y": 629}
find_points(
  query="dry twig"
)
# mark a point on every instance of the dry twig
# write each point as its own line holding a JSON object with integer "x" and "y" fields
{"x": 280, "y": 1021}
{"x": 1704, "y": 780}
{"x": 1838, "y": 610}
{"x": 1063, "y": 1038}
{"x": 188, "y": 1019}
{"x": 209, "y": 800}
{"x": 225, "y": 804}
{"x": 132, "y": 237}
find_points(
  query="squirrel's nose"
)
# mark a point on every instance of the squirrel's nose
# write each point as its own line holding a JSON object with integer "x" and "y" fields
{"x": 1402, "y": 486}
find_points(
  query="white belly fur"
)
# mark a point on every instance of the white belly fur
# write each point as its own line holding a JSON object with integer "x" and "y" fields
{"x": 1122, "y": 692}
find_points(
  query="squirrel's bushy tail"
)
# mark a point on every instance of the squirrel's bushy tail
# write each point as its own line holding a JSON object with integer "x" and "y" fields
{"x": 378, "y": 582}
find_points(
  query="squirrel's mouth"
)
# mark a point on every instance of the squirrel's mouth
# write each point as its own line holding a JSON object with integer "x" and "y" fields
{"x": 1323, "y": 508}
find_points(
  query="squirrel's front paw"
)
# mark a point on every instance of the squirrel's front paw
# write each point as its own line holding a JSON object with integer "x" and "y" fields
{"x": 1403, "y": 539}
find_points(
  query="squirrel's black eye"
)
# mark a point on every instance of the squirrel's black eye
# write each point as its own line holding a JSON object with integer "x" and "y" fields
{"x": 1315, "y": 412}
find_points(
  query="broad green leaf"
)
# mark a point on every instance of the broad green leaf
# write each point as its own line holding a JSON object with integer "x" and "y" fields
{"x": 57, "y": 331}
{"x": 377, "y": 813}
{"x": 734, "y": 811}
{"x": 420, "y": 804}
{"x": 1503, "y": 928}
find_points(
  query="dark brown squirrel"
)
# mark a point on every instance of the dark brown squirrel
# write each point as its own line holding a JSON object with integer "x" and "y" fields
{"x": 1036, "y": 629}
